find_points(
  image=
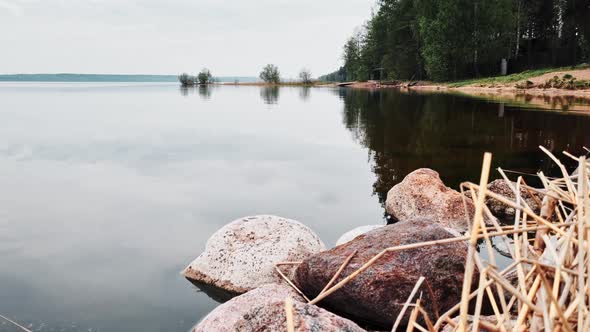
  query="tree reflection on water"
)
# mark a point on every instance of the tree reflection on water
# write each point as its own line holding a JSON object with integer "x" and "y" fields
{"x": 270, "y": 94}
{"x": 406, "y": 131}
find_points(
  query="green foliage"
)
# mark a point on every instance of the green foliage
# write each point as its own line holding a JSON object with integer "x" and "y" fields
{"x": 186, "y": 79}
{"x": 352, "y": 58}
{"x": 402, "y": 58}
{"x": 447, "y": 40}
{"x": 270, "y": 74}
{"x": 337, "y": 76}
{"x": 205, "y": 77}
{"x": 458, "y": 35}
{"x": 525, "y": 75}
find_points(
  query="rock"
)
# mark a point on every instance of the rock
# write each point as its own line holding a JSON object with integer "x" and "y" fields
{"x": 422, "y": 194}
{"x": 242, "y": 254}
{"x": 263, "y": 309}
{"x": 454, "y": 232}
{"x": 356, "y": 232}
{"x": 375, "y": 295}
{"x": 503, "y": 211}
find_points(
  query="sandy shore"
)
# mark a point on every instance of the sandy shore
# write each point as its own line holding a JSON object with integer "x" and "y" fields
{"x": 503, "y": 90}
{"x": 545, "y": 98}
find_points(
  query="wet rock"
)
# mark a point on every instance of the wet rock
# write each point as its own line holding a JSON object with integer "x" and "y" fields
{"x": 356, "y": 232}
{"x": 375, "y": 296}
{"x": 422, "y": 194}
{"x": 503, "y": 211}
{"x": 263, "y": 309}
{"x": 242, "y": 254}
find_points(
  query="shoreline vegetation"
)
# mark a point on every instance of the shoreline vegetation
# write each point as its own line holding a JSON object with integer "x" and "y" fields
{"x": 562, "y": 89}
{"x": 478, "y": 48}
{"x": 280, "y": 271}
{"x": 552, "y": 88}
{"x": 453, "y": 40}
{"x": 269, "y": 76}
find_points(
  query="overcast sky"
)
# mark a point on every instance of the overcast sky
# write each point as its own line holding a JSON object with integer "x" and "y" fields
{"x": 171, "y": 36}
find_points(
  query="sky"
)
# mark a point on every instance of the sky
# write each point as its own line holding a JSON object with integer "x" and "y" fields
{"x": 230, "y": 37}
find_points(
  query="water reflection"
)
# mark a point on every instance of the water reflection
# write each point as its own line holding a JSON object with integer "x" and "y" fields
{"x": 185, "y": 90}
{"x": 270, "y": 94}
{"x": 204, "y": 91}
{"x": 448, "y": 133}
{"x": 570, "y": 104}
{"x": 154, "y": 181}
{"x": 304, "y": 93}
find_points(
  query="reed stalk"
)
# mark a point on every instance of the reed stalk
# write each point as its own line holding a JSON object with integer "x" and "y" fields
{"x": 550, "y": 252}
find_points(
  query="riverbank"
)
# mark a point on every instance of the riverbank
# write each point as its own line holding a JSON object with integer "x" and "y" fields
{"x": 557, "y": 82}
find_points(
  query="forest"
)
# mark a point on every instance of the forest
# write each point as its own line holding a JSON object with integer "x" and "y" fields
{"x": 445, "y": 40}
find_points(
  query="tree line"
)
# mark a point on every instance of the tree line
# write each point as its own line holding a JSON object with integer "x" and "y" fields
{"x": 446, "y": 40}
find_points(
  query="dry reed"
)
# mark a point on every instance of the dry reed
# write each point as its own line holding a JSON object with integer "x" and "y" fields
{"x": 551, "y": 291}
{"x": 289, "y": 314}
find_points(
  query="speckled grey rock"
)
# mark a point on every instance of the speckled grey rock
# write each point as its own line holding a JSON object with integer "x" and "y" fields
{"x": 422, "y": 194}
{"x": 263, "y": 309}
{"x": 242, "y": 254}
{"x": 350, "y": 235}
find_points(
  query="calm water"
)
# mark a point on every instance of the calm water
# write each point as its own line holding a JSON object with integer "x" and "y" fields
{"x": 109, "y": 190}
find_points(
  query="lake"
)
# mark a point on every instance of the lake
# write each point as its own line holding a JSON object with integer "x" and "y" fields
{"x": 110, "y": 189}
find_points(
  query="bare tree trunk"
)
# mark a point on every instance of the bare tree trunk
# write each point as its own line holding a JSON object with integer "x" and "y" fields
{"x": 575, "y": 37}
{"x": 517, "y": 46}
{"x": 475, "y": 41}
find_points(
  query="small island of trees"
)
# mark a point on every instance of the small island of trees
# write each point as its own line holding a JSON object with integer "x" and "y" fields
{"x": 270, "y": 75}
{"x": 204, "y": 77}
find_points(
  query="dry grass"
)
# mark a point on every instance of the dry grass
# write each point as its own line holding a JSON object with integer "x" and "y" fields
{"x": 550, "y": 253}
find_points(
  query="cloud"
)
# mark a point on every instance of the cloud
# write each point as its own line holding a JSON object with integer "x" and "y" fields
{"x": 167, "y": 37}
{"x": 10, "y": 7}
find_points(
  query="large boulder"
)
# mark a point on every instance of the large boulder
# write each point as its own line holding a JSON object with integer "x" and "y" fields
{"x": 376, "y": 295}
{"x": 242, "y": 254}
{"x": 422, "y": 194}
{"x": 263, "y": 309}
{"x": 356, "y": 232}
{"x": 503, "y": 211}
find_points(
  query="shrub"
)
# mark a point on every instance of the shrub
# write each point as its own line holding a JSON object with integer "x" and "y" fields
{"x": 270, "y": 74}
{"x": 205, "y": 76}
{"x": 186, "y": 79}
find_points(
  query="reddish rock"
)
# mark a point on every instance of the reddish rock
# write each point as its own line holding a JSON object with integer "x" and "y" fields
{"x": 346, "y": 237}
{"x": 263, "y": 309}
{"x": 422, "y": 194}
{"x": 375, "y": 297}
{"x": 503, "y": 211}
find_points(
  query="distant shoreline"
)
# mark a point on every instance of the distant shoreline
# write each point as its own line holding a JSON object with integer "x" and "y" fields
{"x": 67, "y": 77}
{"x": 89, "y": 78}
